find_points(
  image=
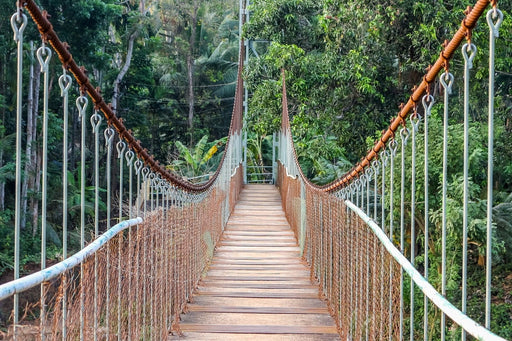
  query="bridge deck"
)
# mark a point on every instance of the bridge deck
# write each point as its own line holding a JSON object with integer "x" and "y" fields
{"x": 257, "y": 287}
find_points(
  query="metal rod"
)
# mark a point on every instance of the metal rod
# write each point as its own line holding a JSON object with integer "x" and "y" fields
{"x": 121, "y": 147}
{"x": 446, "y": 81}
{"x": 95, "y": 123}
{"x": 468, "y": 64}
{"x": 428, "y": 101}
{"x": 493, "y": 14}
{"x": 109, "y": 139}
{"x": 65, "y": 82}
{"x": 415, "y": 122}
{"x": 81, "y": 103}
{"x": 404, "y": 134}
{"x": 384, "y": 162}
{"x": 18, "y": 23}
{"x": 393, "y": 145}
{"x": 130, "y": 157}
{"x": 44, "y": 55}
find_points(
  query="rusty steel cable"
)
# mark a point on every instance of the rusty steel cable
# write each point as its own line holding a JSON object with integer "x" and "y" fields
{"x": 352, "y": 186}
{"x": 446, "y": 55}
{"x": 62, "y": 49}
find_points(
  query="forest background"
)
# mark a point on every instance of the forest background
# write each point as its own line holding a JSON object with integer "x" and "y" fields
{"x": 169, "y": 69}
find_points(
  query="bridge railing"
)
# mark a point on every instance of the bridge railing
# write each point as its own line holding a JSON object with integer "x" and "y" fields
{"x": 377, "y": 249}
{"x": 145, "y": 235}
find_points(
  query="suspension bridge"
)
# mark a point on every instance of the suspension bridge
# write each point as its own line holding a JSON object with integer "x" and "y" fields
{"x": 224, "y": 260}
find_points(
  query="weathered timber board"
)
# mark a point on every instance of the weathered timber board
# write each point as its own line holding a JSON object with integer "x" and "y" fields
{"x": 257, "y": 287}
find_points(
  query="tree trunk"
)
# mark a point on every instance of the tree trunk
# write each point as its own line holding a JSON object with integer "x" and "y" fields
{"x": 2, "y": 184}
{"x": 190, "y": 69}
{"x": 124, "y": 70}
{"x": 28, "y": 172}
{"x": 191, "y": 100}
{"x": 35, "y": 158}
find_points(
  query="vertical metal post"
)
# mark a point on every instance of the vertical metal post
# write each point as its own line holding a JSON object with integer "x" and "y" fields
{"x": 81, "y": 103}
{"x": 468, "y": 64}
{"x": 415, "y": 121}
{"x": 18, "y": 23}
{"x": 44, "y": 55}
{"x": 274, "y": 170}
{"x": 384, "y": 161}
{"x": 95, "y": 123}
{"x": 130, "y": 156}
{"x": 109, "y": 139}
{"x": 404, "y": 134}
{"x": 65, "y": 83}
{"x": 303, "y": 216}
{"x": 393, "y": 146}
{"x": 121, "y": 147}
{"x": 446, "y": 81}
{"x": 493, "y": 14}
{"x": 428, "y": 102}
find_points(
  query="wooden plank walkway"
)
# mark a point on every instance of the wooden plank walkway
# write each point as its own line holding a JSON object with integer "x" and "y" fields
{"x": 257, "y": 287}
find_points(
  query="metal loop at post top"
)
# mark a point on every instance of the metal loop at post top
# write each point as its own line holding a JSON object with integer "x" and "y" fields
{"x": 352, "y": 188}
{"x": 428, "y": 102}
{"x": 65, "y": 82}
{"x": 96, "y": 120}
{"x": 129, "y": 156}
{"x": 109, "y": 134}
{"x": 415, "y": 121}
{"x": 44, "y": 55}
{"x": 393, "y": 147}
{"x": 138, "y": 166}
{"x": 446, "y": 80}
{"x": 494, "y": 26}
{"x": 375, "y": 166}
{"x": 121, "y": 147}
{"x": 385, "y": 156}
{"x": 404, "y": 134}
{"x": 18, "y": 30}
{"x": 369, "y": 171}
{"x": 81, "y": 104}
{"x": 145, "y": 173}
{"x": 471, "y": 48}
{"x": 363, "y": 178}
{"x": 358, "y": 184}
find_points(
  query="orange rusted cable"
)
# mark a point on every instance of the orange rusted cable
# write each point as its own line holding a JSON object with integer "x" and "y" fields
{"x": 62, "y": 49}
{"x": 442, "y": 62}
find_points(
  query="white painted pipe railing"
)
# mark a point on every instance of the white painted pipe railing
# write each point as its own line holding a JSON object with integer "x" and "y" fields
{"x": 465, "y": 322}
{"x": 35, "y": 279}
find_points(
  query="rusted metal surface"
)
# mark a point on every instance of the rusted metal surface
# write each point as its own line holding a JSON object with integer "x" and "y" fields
{"x": 257, "y": 287}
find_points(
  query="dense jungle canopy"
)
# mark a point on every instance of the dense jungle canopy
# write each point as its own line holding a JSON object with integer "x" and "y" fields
{"x": 169, "y": 69}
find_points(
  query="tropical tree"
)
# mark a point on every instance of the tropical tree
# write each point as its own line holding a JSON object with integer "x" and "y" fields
{"x": 194, "y": 164}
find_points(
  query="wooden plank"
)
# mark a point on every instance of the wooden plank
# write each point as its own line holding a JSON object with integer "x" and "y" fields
{"x": 258, "y": 329}
{"x": 258, "y": 233}
{"x": 257, "y": 287}
{"x": 256, "y": 273}
{"x": 232, "y": 266}
{"x": 252, "y": 294}
{"x": 298, "y": 320}
{"x": 242, "y": 248}
{"x": 199, "y": 336}
{"x": 297, "y": 303}
{"x": 256, "y": 310}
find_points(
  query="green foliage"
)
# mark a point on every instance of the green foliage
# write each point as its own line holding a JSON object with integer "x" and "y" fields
{"x": 200, "y": 160}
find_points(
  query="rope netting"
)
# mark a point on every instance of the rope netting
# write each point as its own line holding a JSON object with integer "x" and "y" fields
{"x": 368, "y": 236}
{"x": 358, "y": 278}
{"x": 137, "y": 285}
{"x": 134, "y": 283}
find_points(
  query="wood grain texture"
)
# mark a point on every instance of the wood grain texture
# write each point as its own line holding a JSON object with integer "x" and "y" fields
{"x": 257, "y": 287}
